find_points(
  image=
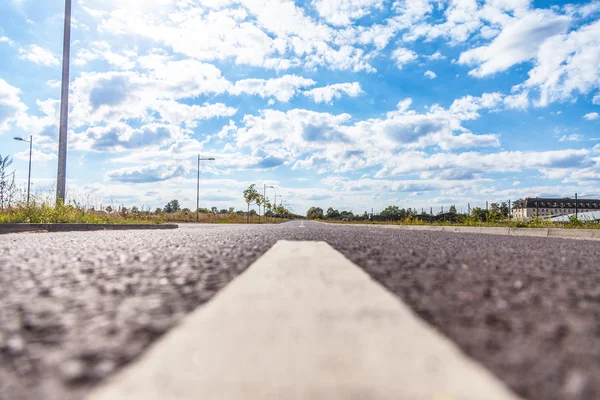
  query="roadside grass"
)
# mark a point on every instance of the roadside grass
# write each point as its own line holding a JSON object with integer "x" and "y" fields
{"x": 69, "y": 214}
{"x": 230, "y": 218}
{"x": 45, "y": 213}
{"x": 469, "y": 221}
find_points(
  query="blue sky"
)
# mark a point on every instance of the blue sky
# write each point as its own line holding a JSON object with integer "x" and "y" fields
{"x": 355, "y": 104}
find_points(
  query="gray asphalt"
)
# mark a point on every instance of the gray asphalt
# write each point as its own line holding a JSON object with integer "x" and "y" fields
{"x": 75, "y": 307}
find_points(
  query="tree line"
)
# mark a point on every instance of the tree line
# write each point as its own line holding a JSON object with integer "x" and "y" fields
{"x": 496, "y": 211}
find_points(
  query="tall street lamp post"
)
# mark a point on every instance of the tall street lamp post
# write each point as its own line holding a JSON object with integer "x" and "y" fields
{"x": 61, "y": 181}
{"x": 198, "y": 187}
{"x": 30, "y": 151}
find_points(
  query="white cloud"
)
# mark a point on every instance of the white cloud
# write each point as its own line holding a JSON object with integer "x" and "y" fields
{"x": 596, "y": 99}
{"x": 338, "y": 184}
{"x": 591, "y": 116}
{"x": 177, "y": 113}
{"x": 328, "y": 142}
{"x": 470, "y": 165}
{"x": 403, "y": 56}
{"x": 54, "y": 83}
{"x": 468, "y": 107}
{"x": 488, "y": 32}
{"x": 116, "y": 96}
{"x": 519, "y": 41}
{"x": 461, "y": 21}
{"x": 11, "y": 106}
{"x": 44, "y": 127}
{"x": 273, "y": 34}
{"x": 102, "y": 51}
{"x": 4, "y": 39}
{"x": 430, "y": 74}
{"x": 518, "y": 101}
{"x": 283, "y": 89}
{"x": 39, "y": 55}
{"x": 327, "y": 93}
{"x": 574, "y": 137}
{"x": 567, "y": 64}
{"x": 436, "y": 56}
{"x": 585, "y": 10}
{"x": 342, "y": 12}
{"x": 120, "y": 137}
{"x": 148, "y": 174}
{"x": 36, "y": 156}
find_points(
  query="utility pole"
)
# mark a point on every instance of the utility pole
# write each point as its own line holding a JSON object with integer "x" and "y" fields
{"x": 61, "y": 178}
{"x": 469, "y": 208}
{"x": 576, "y": 207}
{"x": 509, "y": 210}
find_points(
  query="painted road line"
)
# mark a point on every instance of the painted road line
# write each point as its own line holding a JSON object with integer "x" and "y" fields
{"x": 303, "y": 322}
{"x": 302, "y": 225}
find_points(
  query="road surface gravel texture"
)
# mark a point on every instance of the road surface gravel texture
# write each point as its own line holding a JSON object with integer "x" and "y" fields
{"x": 75, "y": 307}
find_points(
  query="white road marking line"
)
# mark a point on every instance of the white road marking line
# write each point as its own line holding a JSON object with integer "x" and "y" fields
{"x": 303, "y": 322}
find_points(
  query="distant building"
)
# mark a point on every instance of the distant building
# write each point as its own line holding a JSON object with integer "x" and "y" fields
{"x": 541, "y": 207}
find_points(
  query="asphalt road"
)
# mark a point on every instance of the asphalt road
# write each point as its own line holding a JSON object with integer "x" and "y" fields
{"x": 75, "y": 307}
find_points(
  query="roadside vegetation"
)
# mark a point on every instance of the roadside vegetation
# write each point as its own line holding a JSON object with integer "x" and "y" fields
{"x": 44, "y": 211}
{"x": 42, "y": 208}
{"x": 496, "y": 216}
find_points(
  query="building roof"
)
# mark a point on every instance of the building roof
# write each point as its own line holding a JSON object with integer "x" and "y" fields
{"x": 543, "y": 202}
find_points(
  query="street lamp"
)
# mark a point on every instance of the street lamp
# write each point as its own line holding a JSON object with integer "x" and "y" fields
{"x": 198, "y": 187}
{"x": 61, "y": 176}
{"x": 265, "y": 197}
{"x": 30, "y": 141}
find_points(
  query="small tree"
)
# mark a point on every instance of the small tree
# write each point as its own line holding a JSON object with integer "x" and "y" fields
{"x": 331, "y": 213}
{"x": 250, "y": 196}
{"x": 314, "y": 213}
{"x": 479, "y": 213}
{"x": 260, "y": 201}
{"x": 7, "y": 182}
{"x": 267, "y": 206}
{"x": 172, "y": 207}
{"x": 452, "y": 209}
{"x": 504, "y": 209}
{"x": 391, "y": 212}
